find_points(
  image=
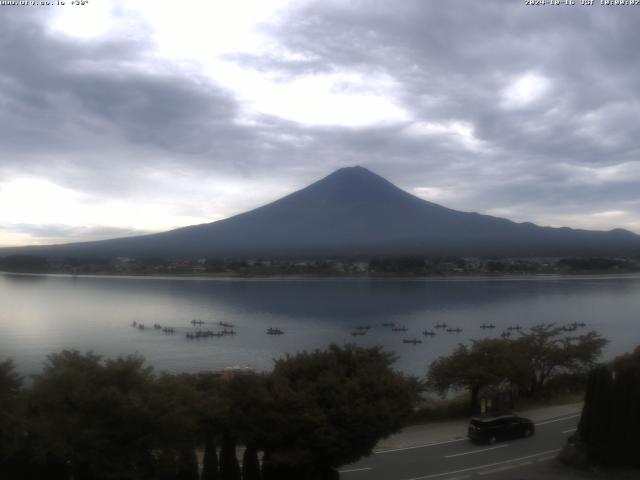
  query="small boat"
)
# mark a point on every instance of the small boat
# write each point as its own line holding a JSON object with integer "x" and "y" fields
{"x": 440, "y": 325}
{"x": 274, "y": 331}
{"x": 413, "y": 341}
{"x": 454, "y": 330}
{"x": 388, "y": 324}
{"x": 228, "y": 332}
{"x": 157, "y": 326}
{"x": 195, "y": 321}
{"x": 487, "y": 325}
{"x": 429, "y": 333}
{"x": 225, "y": 324}
{"x": 358, "y": 333}
{"x": 363, "y": 327}
{"x": 399, "y": 329}
{"x": 141, "y": 326}
{"x": 168, "y": 330}
{"x": 134, "y": 324}
{"x": 515, "y": 327}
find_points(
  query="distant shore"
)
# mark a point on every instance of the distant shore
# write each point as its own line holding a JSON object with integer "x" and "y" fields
{"x": 275, "y": 277}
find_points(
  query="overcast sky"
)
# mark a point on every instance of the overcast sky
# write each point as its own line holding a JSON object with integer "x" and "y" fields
{"x": 122, "y": 117}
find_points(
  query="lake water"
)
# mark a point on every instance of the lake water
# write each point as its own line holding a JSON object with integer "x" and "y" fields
{"x": 40, "y": 314}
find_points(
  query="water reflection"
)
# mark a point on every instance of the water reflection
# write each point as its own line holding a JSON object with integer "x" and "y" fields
{"x": 41, "y": 314}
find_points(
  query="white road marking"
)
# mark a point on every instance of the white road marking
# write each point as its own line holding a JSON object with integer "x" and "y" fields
{"x": 558, "y": 419}
{"x": 497, "y": 470}
{"x": 433, "y": 444}
{"x": 475, "y": 451}
{"x": 546, "y": 459}
{"x": 570, "y": 430}
{"x": 355, "y": 470}
{"x": 489, "y": 465}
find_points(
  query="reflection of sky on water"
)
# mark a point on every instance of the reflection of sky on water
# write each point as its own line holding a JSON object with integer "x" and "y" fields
{"x": 42, "y": 314}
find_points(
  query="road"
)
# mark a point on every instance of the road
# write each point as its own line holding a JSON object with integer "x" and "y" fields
{"x": 460, "y": 459}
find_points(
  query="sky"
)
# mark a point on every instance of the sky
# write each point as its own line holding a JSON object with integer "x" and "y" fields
{"x": 122, "y": 117}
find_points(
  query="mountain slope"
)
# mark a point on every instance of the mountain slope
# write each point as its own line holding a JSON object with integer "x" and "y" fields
{"x": 354, "y": 212}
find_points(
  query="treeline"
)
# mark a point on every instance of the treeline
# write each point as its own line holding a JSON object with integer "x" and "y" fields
{"x": 377, "y": 266}
{"x": 543, "y": 361}
{"x": 24, "y": 264}
{"x": 609, "y": 429}
{"x": 87, "y": 418}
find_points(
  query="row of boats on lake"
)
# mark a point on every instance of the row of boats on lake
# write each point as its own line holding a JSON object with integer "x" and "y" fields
{"x": 227, "y": 329}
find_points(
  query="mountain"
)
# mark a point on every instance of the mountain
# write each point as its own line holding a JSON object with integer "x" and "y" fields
{"x": 354, "y": 212}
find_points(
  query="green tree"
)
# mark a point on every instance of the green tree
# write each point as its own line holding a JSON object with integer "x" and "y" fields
{"x": 11, "y": 418}
{"x": 229, "y": 466}
{"x": 92, "y": 416}
{"x": 328, "y": 408}
{"x": 483, "y": 363}
{"x": 187, "y": 464}
{"x": 210, "y": 459}
{"x": 250, "y": 463}
{"x": 608, "y": 427}
{"x": 546, "y": 351}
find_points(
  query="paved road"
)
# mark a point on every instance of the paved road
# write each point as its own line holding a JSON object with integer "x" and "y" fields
{"x": 459, "y": 459}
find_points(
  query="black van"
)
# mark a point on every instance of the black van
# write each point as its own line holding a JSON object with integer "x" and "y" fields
{"x": 492, "y": 429}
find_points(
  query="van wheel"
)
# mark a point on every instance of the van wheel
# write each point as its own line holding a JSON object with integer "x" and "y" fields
{"x": 527, "y": 432}
{"x": 492, "y": 439}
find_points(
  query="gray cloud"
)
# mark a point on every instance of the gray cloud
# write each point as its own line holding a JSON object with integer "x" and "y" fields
{"x": 453, "y": 62}
{"x": 85, "y": 114}
{"x": 55, "y": 233}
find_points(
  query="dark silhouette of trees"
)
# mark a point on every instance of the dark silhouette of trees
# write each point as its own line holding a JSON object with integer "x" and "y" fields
{"x": 527, "y": 362}
{"x": 11, "y": 418}
{"x": 22, "y": 263}
{"x": 545, "y": 351}
{"x": 250, "y": 463}
{"x": 89, "y": 418}
{"x": 88, "y": 415}
{"x": 610, "y": 421}
{"x": 328, "y": 408}
{"x": 229, "y": 466}
{"x": 483, "y": 363}
{"x": 210, "y": 458}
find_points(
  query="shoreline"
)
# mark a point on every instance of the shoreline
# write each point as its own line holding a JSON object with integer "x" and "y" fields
{"x": 347, "y": 277}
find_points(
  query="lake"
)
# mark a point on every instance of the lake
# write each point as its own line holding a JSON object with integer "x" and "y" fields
{"x": 41, "y": 314}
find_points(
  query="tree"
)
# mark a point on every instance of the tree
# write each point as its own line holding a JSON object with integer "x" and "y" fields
{"x": 230, "y": 407}
{"x": 486, "y": 362}
{"x": 187, "y": 464}
{"x": 25, "y": 263}
{"x": 545, "y": 351}
{"x": 210, "y": 459}
{"x": 229, "y": 466}
{"x": 328, "y": 408}
{"x": 93, "y": 416}
{"x": 11, "y": 417}
{"x": 608, "y": 427}
{"x": 250, "y": 464}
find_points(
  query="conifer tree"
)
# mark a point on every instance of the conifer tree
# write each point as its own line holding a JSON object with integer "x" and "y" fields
{"x": 229, "y": 467}
{"x": 250, "y": 464}
{"x": 210, "y": 460}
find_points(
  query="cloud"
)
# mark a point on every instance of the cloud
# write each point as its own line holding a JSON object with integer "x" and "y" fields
{"x": 17, "y": 233}
{"x": 483, "y": 106}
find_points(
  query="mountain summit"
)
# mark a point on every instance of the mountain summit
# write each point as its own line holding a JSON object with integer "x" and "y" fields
{"x": 354, "y": 212}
